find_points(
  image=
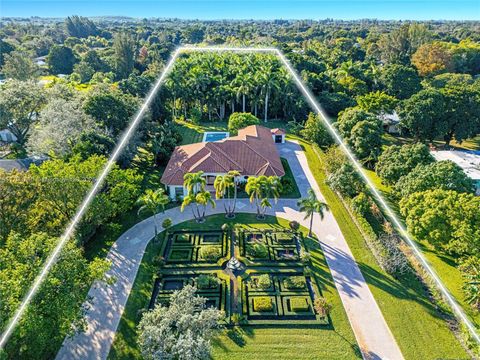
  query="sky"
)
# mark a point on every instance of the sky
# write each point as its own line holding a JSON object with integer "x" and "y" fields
{"x": 249, "y": 9}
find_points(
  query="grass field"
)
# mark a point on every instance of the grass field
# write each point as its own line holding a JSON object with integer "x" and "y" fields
{"x": 414, "y": 321}
{"x": 283, "y": 342}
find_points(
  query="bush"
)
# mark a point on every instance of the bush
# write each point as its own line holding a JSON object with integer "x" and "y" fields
{"x": 321, "y": 306}
{"x": 361, "y": 204}
{"x": 262, "y": 281}
{"x": 305, "y": 257}
{"x": 195, "y": 116}
{"x": 240, "y": 120}
{"x": 207, "y": 282}
{"x": 294, "y": 225}
{"x": 346, "y": 181}
{"x": 210, "y": 253}
{"x": 295, "y": 282}
{"x": 257, "y": 251}
{"x": 166, "y": 223}
{"x": 299, "y": 304}
{"x": 288, "y": 186}
{"x": 262, "y": 304}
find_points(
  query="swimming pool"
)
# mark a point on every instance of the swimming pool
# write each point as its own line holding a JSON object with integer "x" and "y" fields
{"x": 215, "y": 136}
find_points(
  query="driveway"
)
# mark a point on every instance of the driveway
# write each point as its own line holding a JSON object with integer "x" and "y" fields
{"x": 108, "y": 302}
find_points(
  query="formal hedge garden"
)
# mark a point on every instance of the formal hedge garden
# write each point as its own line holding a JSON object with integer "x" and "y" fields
{"x": 275, "y": 286}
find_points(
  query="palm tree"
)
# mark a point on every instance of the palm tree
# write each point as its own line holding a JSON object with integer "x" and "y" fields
{"x": 153, "y": 202}
{"x": 234, "y": 174}
{"x": 311, "y": 205}
{"x": 223, "y": 184}
{"x": 194, "y": 182}
{"x": 201, "y": 199}
{"x": 204, "y": 198}
{"x": 268, "y": 82}
{"x": 254, "y": 189}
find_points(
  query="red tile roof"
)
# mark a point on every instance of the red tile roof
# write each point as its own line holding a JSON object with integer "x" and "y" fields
{"x": 252, "y": 152}
{"x": 278, "y": 131}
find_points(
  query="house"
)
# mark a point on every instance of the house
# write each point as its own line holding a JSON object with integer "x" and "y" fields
{"x": 21, "y": 164}
{"x": 390, "y": 122}
{"x": 469, "y": 161}
{"x": 252, "y": 153}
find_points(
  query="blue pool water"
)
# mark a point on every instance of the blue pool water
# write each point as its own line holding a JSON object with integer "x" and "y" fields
{"x": 214, "y": 136}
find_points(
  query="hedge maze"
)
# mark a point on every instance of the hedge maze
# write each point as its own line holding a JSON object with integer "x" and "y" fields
{"x": 276, "y": 286}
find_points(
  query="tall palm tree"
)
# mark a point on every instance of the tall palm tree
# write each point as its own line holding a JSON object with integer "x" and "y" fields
{"x": 153, "y": 202}
{"x": 223, "y": 185}
{"x": 269, "y": 82}
{"x": 311, "y": 205}
{"x": 201, "y": 199}
{"x": 254, "y": 189}
{"x": 234, "y": 174}
{"x": 260, "y": 189}
{"x": 194, "y": 182}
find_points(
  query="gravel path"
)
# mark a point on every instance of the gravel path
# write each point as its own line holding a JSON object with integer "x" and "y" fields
{"x": 108, "y": 302}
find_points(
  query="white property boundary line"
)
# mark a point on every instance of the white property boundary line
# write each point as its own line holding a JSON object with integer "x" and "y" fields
{"x": 132, "y": 127}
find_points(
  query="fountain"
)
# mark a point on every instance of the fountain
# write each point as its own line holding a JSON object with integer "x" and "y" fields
{"x": 235, "y": 266}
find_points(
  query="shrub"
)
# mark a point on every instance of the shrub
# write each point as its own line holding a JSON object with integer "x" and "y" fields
{"x": 262, "y": 304}
{"x": 321, "y": 306}
{"x": 239, "y": 120}
{"x": 299, "y": 304}
{"x": 287, "y": 186}
{"x": 210, "y": 253}
{"x": 167, "y": 223}
{"x": 361, "y": 203}
{"x": 294, "y": 225}
{"x": 346, "y": 181}
{"x": 305, "y": 257}
{"x": 294, "y": 282}
{"x": 195, "y": 116}
{"x": 262, "y": 281}
{"x": 257, "y": 251}
{"x": 207, "y": 282}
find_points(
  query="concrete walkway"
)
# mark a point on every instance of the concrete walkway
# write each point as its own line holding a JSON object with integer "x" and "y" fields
{"x": 371, "y": 331}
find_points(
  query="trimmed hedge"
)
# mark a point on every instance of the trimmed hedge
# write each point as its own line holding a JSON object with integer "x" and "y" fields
{"x": 295, "y": 282}
{"x": 210, "y": 253}
{"x": 299, "y": 304}
{"x": 262, "y": 304}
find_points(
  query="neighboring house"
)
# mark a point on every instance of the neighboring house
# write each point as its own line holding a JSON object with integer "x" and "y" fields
{"x": 469, "y": 161}
{"x": 390, "y": 122}
{"x": 252, "y": 153}
{"x": 6, "y": 136}
{"x": 21, "y": 164}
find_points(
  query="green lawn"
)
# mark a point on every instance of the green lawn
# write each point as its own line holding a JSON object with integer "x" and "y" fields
{"x": 417, "y": 326}
{"x": 254, "y": 342}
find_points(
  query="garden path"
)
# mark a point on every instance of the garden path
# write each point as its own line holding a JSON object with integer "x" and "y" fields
{"x": 108, "y": 301}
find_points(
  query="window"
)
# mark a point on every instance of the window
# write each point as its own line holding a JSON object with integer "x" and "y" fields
{"x": 178, "y": 191}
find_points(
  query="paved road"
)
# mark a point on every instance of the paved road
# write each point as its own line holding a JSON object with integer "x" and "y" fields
{"x": 108, "y": 302}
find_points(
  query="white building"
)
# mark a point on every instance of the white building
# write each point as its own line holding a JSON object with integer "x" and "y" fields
{"x": 469, "y": 161}
{"x": 390, "y": 122}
